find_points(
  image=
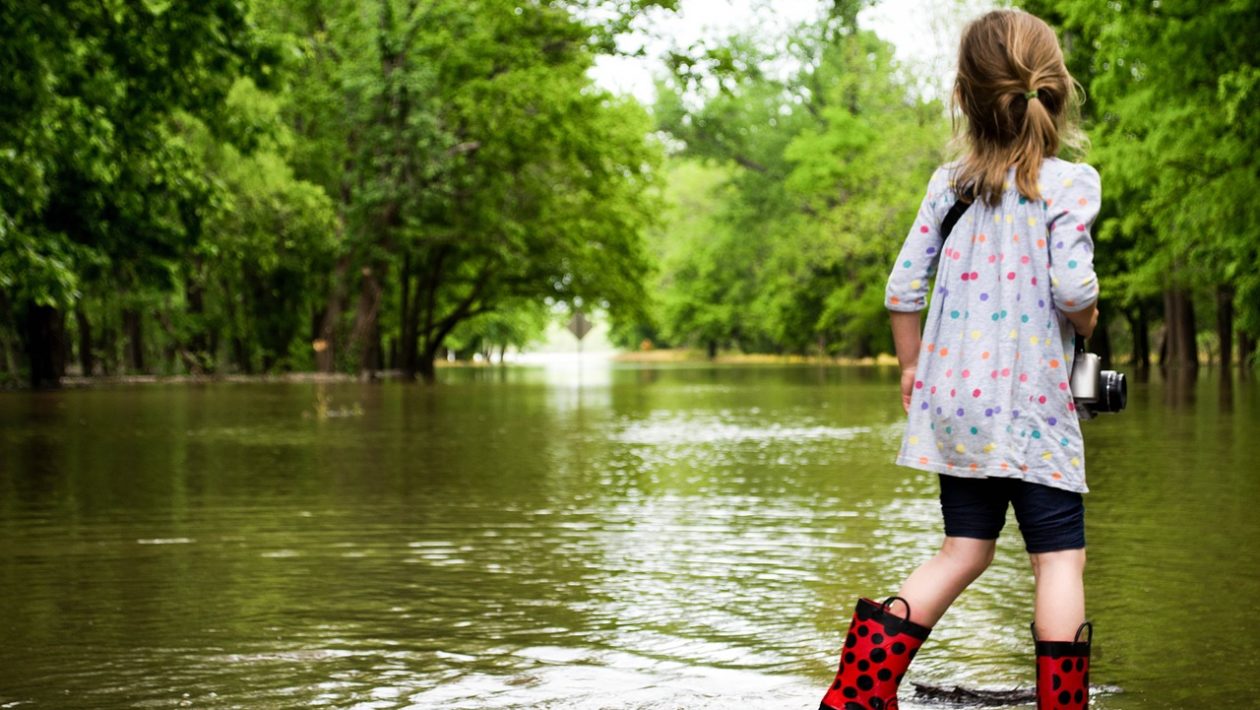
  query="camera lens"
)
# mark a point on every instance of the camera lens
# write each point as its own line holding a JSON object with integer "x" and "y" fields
{"x": 1115, "y": 391}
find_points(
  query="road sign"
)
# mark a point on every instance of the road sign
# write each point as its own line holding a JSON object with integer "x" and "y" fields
{"x": 579, "y": 325}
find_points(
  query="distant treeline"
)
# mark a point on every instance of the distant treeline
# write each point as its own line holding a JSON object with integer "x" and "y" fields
{"x": 340, "y": 185}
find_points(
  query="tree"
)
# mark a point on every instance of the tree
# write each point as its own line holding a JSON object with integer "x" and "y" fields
{"x": 97, "y": 186}
{"x": 474, "y": 165}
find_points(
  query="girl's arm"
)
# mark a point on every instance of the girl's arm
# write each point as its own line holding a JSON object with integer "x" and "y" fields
{"x": 1072, "y": 211}
{"x": 1085, "y": 321}
{"x": 906, "y": 339}
{"x": 905, "y": 294}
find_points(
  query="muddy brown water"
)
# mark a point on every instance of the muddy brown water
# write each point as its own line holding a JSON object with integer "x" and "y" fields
{"x": 641, "y": 537}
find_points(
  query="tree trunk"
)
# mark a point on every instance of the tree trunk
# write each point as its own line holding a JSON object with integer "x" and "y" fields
{"x": 864, "y": 348}
{"x": 7, "y": 347}
{"x": 408, "y": 354}
{"x": 1246, "y": 347}
{"x": 377, "y": 358}
{"x": 1100, "y": 342}
{"x": 363, "y": 334}
{"x": 409, "y": 358}
{"x": 712, "y": 349}
{"x": 1181, "y": 348}
{"x": 1139, "y": 323}
{"x": 1225, "y": 326}
{"x": 240, "y": 353}
{"x": 44, "y": 349}
{"x": 195, "y": 296}
{"x": 86, "y": 362}
{"x": 11, "y": 366}
{"x": 326, "y": 338}
{"x": 108, "y": 344}
{"x": 133, "y": 332}
{"x": 420, "y": 313}
{"x": 426, "y": 368}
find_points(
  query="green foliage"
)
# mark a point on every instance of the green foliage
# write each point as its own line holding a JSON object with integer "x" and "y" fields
{"x": 823, "y": 172}
{"x": 1174, "y": 92}
{"x": 338, "y": 184}
{"x": 94, "y": 177}
{"x": 243, "y": 181}
{"x": 512, "y": 325}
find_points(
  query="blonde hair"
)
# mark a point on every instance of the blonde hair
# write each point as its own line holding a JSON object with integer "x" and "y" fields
{"x": 1018, "y": 100}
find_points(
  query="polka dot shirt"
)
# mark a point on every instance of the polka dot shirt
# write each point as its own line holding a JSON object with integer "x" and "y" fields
{"x": 991, "y": 394}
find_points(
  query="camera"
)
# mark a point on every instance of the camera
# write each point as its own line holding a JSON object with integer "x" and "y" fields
{"x": 1095, "y": 389}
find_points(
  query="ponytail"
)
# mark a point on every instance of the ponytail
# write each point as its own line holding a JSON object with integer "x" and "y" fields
{"x": 1038, "y": 139}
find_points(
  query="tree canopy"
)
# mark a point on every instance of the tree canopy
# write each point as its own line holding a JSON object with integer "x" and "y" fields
{"x": 277, "y": 185}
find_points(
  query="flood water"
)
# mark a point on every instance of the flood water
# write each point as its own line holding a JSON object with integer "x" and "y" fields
{"x": 636, "y": 537}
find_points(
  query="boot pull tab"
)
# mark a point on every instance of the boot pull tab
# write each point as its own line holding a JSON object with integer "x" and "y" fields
{"x": 1089, "y": 638}
{"x": 887, "y": 606}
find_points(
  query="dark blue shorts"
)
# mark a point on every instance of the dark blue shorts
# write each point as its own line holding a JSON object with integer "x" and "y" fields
{"x": 1049, "y": 518}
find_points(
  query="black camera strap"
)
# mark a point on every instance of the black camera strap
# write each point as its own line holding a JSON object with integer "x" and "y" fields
{"x": 955, "y": 213}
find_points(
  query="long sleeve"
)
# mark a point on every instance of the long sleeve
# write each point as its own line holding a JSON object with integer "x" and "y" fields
{"x": 1072, "y": 206}
{"x": 907, "y": 285}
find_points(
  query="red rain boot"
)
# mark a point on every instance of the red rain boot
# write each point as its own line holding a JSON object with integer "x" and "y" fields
{"x": 876, "y": 653}
{"x": 1063, "y": 671}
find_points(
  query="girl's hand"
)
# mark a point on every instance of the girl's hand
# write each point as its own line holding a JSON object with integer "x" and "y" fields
{"x": 907, "y": 387}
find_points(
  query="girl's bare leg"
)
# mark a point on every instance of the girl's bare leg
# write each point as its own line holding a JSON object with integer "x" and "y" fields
{"x": 935, "y": 585}
{"x": 1060, "y": 597}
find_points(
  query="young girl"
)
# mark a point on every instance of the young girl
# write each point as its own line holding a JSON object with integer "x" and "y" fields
{"x": 986, "y": 387}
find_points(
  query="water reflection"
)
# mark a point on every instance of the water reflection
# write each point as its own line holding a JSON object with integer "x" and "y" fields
{"x": 667, "y": 537}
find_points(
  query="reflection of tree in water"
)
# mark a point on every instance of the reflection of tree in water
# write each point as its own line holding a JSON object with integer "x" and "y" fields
{"x": 1179, "y": 386}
